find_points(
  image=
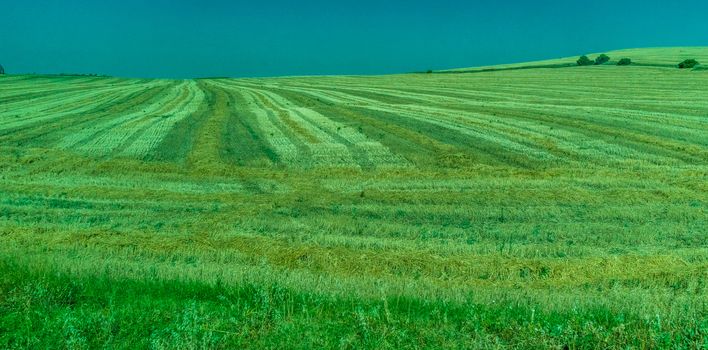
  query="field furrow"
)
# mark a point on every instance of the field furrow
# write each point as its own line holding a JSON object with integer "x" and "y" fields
{"x": 567, "y": 205}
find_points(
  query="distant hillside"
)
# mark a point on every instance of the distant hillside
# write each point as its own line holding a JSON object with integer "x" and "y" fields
{"x": 661, "y": 56}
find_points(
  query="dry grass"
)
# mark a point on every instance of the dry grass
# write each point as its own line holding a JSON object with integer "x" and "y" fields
{"x": 521, "y": 209}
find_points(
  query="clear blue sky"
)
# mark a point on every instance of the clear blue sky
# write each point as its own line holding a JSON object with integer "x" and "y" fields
{"x": 160, "y": 38}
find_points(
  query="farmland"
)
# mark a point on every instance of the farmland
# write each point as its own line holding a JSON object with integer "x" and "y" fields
{"x": 536, "y": 208}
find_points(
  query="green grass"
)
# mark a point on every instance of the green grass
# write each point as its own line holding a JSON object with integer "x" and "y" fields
{"x": 535, "y": 208}
{"x": 658, "y": 56}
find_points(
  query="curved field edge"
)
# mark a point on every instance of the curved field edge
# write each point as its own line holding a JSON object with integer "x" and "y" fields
{"x": 658, "y": 57}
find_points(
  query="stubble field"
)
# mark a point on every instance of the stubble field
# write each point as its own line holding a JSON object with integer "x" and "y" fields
{"x": 537, "y": 208}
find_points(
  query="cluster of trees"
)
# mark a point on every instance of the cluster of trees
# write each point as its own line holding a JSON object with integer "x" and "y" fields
{"x": 688, "y": 64}
{"x": 585, "y": 61}
{"x": 2, "y": 70}
{"x": 602, "y": 59}
{"x": 80, "y": 75}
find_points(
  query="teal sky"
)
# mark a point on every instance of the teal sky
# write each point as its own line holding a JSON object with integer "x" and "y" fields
{"x": 180, "y": 39}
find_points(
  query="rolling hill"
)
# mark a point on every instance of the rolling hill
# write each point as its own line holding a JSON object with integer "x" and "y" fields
{"x": 535, "y": 208}
{"x": 659, "y": 56}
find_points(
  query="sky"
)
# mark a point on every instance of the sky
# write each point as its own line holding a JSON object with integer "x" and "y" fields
{"x": 189, "y": 39}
